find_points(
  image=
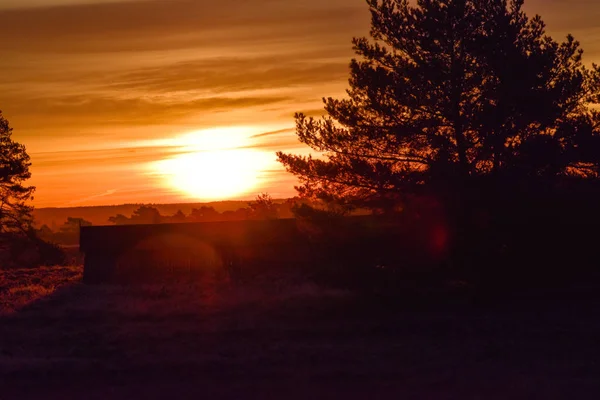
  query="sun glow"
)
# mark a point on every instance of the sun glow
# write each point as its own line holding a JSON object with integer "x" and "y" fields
{"x": 216, "y": 164}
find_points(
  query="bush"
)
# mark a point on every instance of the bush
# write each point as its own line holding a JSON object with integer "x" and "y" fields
{"x": 29, "y": 251}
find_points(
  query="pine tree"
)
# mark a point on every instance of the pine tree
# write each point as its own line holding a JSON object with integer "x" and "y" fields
{"x": 15, "y": 211}
{"x": 447, "y": 94}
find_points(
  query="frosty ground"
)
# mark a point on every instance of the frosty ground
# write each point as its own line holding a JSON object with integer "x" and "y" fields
{"x": 62, "y": 339}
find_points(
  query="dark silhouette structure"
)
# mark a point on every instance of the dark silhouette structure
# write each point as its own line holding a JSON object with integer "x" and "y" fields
{"x": 339, "y": 249}
{"x": 134, "y": 253}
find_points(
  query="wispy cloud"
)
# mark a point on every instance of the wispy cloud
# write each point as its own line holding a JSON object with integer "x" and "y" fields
{"x": 94, "y": 197}
{"x": 20, "y": 4}
{"x": 273, "y": 133}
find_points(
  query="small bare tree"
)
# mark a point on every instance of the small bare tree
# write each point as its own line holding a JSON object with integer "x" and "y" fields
{"x": 263, "y": 207}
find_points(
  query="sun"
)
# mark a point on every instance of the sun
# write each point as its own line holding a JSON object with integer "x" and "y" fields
{"x": 216, "y": 164}
{"x": 214, "y": 175}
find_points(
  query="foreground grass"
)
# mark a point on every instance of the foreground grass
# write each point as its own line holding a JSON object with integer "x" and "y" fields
{"x": 19, "y": 288}
{"x": 289, "y": 340}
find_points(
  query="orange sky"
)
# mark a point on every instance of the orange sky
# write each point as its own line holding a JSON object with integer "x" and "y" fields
{"x": 183, "y": 100}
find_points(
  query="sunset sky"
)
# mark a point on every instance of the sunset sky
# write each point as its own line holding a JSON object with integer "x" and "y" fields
{"x": 123, "y": 101}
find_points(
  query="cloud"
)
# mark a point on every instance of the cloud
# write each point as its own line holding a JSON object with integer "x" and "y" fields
{"x": 96, "y": 111}
{"x": 94, "y": 197}
{"x": 273, "y": 133}
{"x": 191, "y": 23}
{"x": 70, "y": 162}
{"x": 234, "y": 74}
{"x": 20, "y": 4}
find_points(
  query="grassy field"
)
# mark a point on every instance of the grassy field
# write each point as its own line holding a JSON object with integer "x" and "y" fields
{"x": 61, "y": 339}
{"x": 19, "y": 288}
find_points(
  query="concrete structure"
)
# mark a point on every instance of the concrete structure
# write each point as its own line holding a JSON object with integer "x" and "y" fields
{"x": 136, "y": 252}
{"x": 242, "y": 249}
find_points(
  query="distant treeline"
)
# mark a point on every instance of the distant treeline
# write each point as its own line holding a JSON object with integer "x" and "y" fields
{"x": 98, "y": 215}
{"x": 264, "y": 207}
